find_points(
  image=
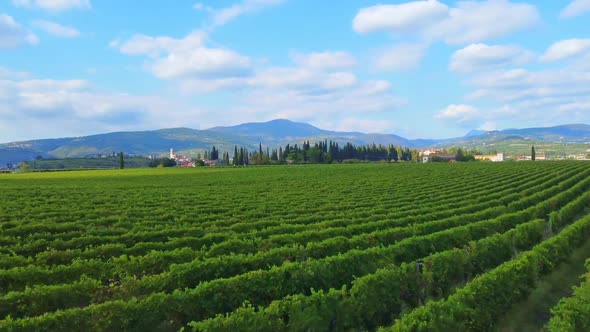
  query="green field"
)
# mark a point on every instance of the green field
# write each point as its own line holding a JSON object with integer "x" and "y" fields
{"x": 88, "y": 163}
{"x": 360, "y": 247}
{"x": 522, "y": 147}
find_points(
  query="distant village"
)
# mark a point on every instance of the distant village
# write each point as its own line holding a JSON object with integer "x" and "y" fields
{"x": 432, "y": 155}
{"x": 184, "y": 161}
{"x": 425, "y": 156}
{"x": 435, "y": 154}
{"x": 304, "y": 154}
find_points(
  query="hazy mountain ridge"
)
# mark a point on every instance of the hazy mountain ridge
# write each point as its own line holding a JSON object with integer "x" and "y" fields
{"x": 273, "y": 133}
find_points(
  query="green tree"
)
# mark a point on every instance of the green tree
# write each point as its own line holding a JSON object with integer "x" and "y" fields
{"x": 314, "y": 155}
{"x": 226, "y": 158}
{"x": 121, "y": 160}
{"x": 460, "y": 155}
{"x": 163, "y": 162}
{"x": 214, "y": 155}
{"x": 281, "y": 157}
{"x": 533, "y": 153}
{"x": 295, "y": 155}
{"x": 241, "y": 158}
{"x": 24, "y": 167}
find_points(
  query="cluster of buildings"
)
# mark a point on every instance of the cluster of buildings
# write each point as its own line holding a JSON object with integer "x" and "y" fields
{"x": 525, "y": 157}
{"x": 181, "y": 160}
{"x": 498, "y": 157}
{"x": 184, "y": 161}
{"x": 428, "y": 155}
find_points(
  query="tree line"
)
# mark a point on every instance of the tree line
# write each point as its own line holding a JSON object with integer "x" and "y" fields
{"x": 323, "y": 152}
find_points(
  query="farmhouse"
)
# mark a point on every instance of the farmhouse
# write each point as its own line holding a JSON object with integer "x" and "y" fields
{"x": 439, "y": 156}
{"x": 209, "y": 162}
{"x": 428, "y": 152}
{"x": 491, "y": 157}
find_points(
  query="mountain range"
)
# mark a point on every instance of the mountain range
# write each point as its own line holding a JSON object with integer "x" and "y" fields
{"x": 274, "y": 133}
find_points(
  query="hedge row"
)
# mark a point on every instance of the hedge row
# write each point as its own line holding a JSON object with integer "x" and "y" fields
{"x": 573, "y": 313}
{"x": 476, "y": 306}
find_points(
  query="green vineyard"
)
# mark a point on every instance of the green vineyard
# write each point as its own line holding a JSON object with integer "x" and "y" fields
{"x": 360, "y": 247}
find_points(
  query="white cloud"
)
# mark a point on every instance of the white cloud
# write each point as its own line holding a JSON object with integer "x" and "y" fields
{"x": 186, "y": 58}
{"x": 318, "y": 85}
{"x": 190, "y": 86}
{"x": 53, "y": 5}
{"x": 302, "y": 79}
{"x": 155, "y": 46}
{"x": 401, "y": 57}
{"x": 225, "y": 15}
{"x": 575, "y": 8}
{"x": 353, "y": 124}
{"x": 56, "y": 29}
{"x": 404, "y": 17}
{"x": 461, "y": 115}
{"x": 301, "y": 94}
{"x": 317, "y": 98}
{"x": 196, "y": 68}
{"x": 476, "y": 57}
{"x": 565, "y": 49}
{"x": 6, "y": 73}
{"x": 276, "y": 79}
{"x": 489, "y": 126}
{"x": 57, "y": 108}
{"x": 575, "y": 106}
{"x": 325, "y": 60}
{"x": 547, "y": 96}
{"x": 472, "y": 22}
{"x": 319, "y": 104}
{"x": 469, "y": 22}
{"x": 13, "y": 35}
{"x": 521, "y": 84}
{"x": 202, "y": 62}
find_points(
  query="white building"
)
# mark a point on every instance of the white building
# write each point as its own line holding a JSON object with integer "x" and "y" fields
{"x": 499, "y": 157}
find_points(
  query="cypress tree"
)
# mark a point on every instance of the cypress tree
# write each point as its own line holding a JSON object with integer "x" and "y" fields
{"x": 121, "y": 161}
{"x": 214, "y": 155}
{"x": 533, "y": 153}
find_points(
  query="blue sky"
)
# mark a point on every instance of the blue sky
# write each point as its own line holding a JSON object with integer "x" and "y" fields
{"x": 427, "y": 69}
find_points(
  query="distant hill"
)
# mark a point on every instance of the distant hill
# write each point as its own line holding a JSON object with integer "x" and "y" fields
{"x": 273, "y": 133}
{"x": 554, "y": 141}
{"x": 567, "y": 133}
{"x": 156, "y": 142}
{"x": 281, "y": 132}
{"x": 279, "y": 128}
{"x": 575, "y": 133}
{"x": 475, "y": 132}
